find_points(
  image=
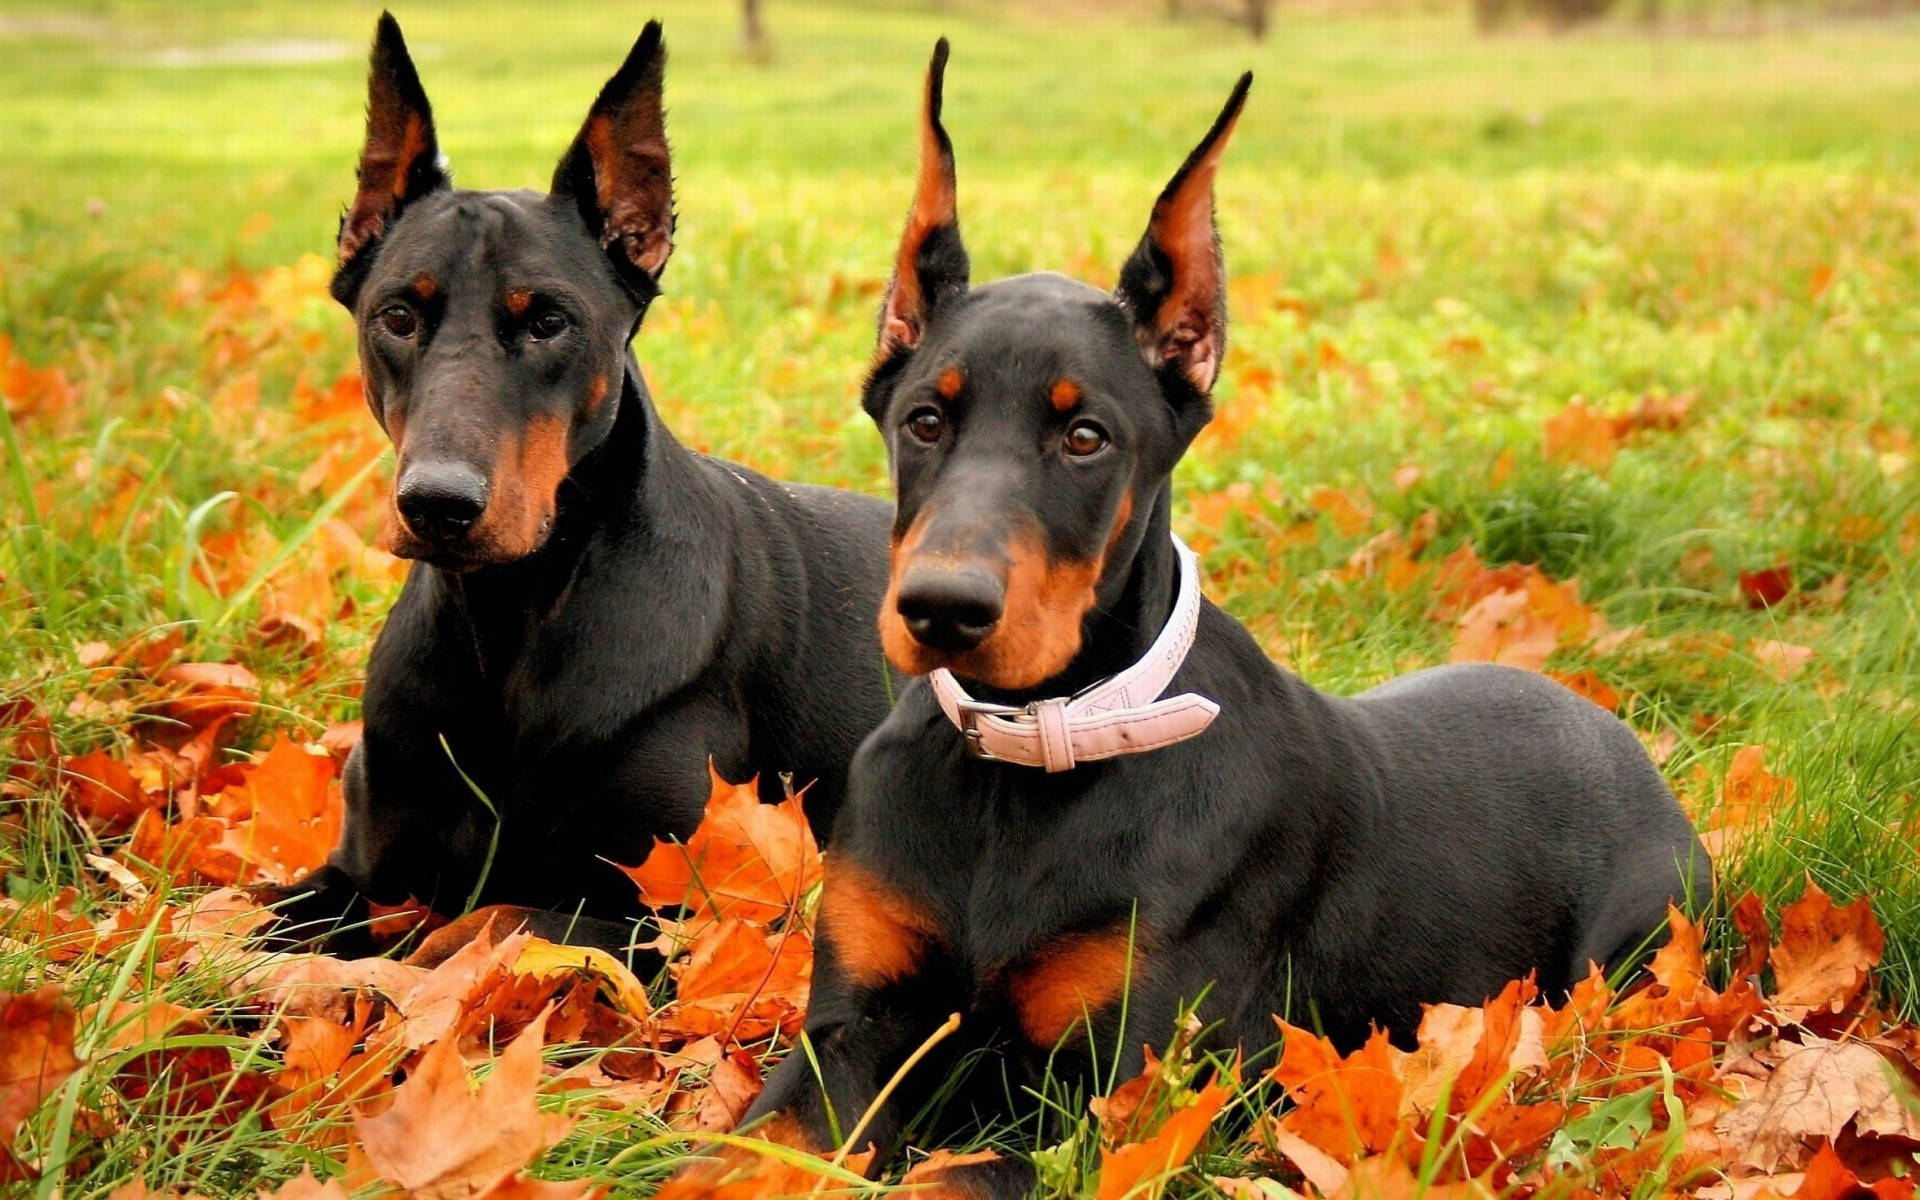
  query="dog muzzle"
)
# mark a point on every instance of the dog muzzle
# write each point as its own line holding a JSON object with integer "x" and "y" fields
{"x": 1121, "y": 714}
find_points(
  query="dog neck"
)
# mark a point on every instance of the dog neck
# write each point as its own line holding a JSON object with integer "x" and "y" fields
{"x": 1134, "y": 598}
{"x": 626, "y": 480}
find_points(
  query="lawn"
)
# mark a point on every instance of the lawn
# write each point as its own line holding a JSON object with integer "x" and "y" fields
{"x": 1596, "y": 353}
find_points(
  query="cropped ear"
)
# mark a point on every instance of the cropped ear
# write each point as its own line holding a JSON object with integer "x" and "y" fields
{"x": 401, "y": 160}
{"x": 931, "y": 265}
{"x": 1175, "y": 283}
{"x": 619, "y": 170}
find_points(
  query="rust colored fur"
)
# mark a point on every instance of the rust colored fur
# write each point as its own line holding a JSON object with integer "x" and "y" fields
{"x": 879, "y": 935}
{"x": 1079, "y": 974}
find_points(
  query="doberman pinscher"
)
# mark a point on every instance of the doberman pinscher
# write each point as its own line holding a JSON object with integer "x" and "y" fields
{"x": 1039, "y": 839}
{"x": 594, "y": 610}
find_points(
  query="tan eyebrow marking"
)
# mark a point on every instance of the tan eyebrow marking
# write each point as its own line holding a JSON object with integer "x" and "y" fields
{"x": 1065, "y": 394}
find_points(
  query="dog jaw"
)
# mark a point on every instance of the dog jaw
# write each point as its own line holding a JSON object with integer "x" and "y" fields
{"x": 1039, "y": 631}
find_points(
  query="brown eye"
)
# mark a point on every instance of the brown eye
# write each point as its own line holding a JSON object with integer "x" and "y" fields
{"x": 549, "y": 324}
{"x": 1085, "y": 438}
{"x": 399, "y": 320}
{"x": 926, "y": 424}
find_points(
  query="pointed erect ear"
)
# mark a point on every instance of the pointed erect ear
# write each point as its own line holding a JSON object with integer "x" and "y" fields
{"x": 1175, "y": 284}
{"x": 619, "y": 171}
{"x": 401, "y": 160}
{"x": 931, "y": 265}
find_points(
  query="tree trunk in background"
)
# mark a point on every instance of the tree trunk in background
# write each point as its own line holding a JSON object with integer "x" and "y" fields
{"x": 753, "y": 32}
{"x": 1257, "y": 19}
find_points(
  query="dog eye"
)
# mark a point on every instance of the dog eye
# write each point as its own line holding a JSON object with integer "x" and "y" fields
{"x": 549, "y": 324}
{"x": 1085, "y": 438}
{"x": 399, "y": 320}
{"x": 926, "y": 424}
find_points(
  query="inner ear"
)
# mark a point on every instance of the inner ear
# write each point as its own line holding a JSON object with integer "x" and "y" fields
{"x": 1175, "y": 282}
{"x": 400, "y": 161}
{"x": 931, "y": 263}
{"x": 619, "y": 169}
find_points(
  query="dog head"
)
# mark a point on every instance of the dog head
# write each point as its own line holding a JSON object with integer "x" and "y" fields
{"x": 1030, "y": 422}
{"x": 493, "y": 326}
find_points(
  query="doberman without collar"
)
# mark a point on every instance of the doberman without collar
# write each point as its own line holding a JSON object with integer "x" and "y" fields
{"x": 594, "y": 610}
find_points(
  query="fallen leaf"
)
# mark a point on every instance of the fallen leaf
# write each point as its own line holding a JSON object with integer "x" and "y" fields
{"x": 36, "y": 1056}
{"x": 1824, "y": 953}
{"x": 746, "y": 859}
{"x": 1767, "y": 587}
{"x": 743, "y": 983}
{"x": 732, "y": 1085}
{"x": 1819, "y": 1088}
{"x": 442, "y": 1141}
{"x": 1126, "y": 1168}
{"x": 305, "y": 1187}
{"x": 1783, "y": 660}
{"x": 200, "y": 693}
{"x": 1387, "y": 1177}
{"x": 541, "y": 959}
{"x": 1346, "y": 1107}
{"x": 1828, "y": 1178}
{"x": 1579, "y": 434}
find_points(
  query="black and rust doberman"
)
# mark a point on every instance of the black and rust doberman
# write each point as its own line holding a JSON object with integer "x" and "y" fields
{"x": 1037, "y": 831}
{"x": 594, "y": 609}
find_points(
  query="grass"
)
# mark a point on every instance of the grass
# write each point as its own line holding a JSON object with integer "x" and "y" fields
{"x": 1437, "y": 240}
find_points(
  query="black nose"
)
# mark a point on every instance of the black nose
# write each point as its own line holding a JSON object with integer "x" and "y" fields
{"x": 950, "y": 609}
{"x": 439, "y": 501}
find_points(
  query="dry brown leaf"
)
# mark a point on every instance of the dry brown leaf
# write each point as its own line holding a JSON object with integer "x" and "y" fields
{"x": 437, "y": 1005}
{"x": 1824, "y": 953}
{"x": 314, "y": 985}
{"x": 441, "y": 1141}
{"x": 732, "y": 1085}
{"x": 1819, "y": 1088}
{"x": 305, "y": 1187}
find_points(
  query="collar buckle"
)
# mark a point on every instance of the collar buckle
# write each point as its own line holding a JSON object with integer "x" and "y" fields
{"x": 971, "y": 711}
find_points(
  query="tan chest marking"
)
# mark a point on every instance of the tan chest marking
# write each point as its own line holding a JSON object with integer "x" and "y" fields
{"x": 879, "y": 936}
{"x": 1071, "y": 979}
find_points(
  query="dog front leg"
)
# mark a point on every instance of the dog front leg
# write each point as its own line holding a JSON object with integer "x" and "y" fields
{"x": 826, "y": 1093}
{"x": 384, "y": 855}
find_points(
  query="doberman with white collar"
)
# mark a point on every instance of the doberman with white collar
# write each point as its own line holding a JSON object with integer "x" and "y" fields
{"x": 1035, "y": 835}
{"x": 594, "y": 610}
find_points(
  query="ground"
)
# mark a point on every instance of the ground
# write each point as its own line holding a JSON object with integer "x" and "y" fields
{"x": 1598, "y": 354}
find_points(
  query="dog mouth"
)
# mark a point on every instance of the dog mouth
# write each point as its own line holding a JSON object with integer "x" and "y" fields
{"x": 1032, "y": 632}
{"x": 482, "y": 548}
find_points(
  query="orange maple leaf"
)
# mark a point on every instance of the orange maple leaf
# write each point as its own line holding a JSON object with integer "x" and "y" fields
{"x": 36, "y": 1055}
{"x": 1124, "y": 1170}
{"x": 200, "y": 693}
{"x": 1346, "y": 1107}
{"x": 1579, "y": 434}
{"x": 283, "y": 818}
{"x": 748, "y": 860}
{"x": 741, "y": 983}
{"x": 1522, "y": 626}
{"x": 1825, "y": 954}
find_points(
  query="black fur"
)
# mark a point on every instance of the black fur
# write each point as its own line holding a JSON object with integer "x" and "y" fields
{"x": 1341, "y": 861}
{"x": 671, "y": 607}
